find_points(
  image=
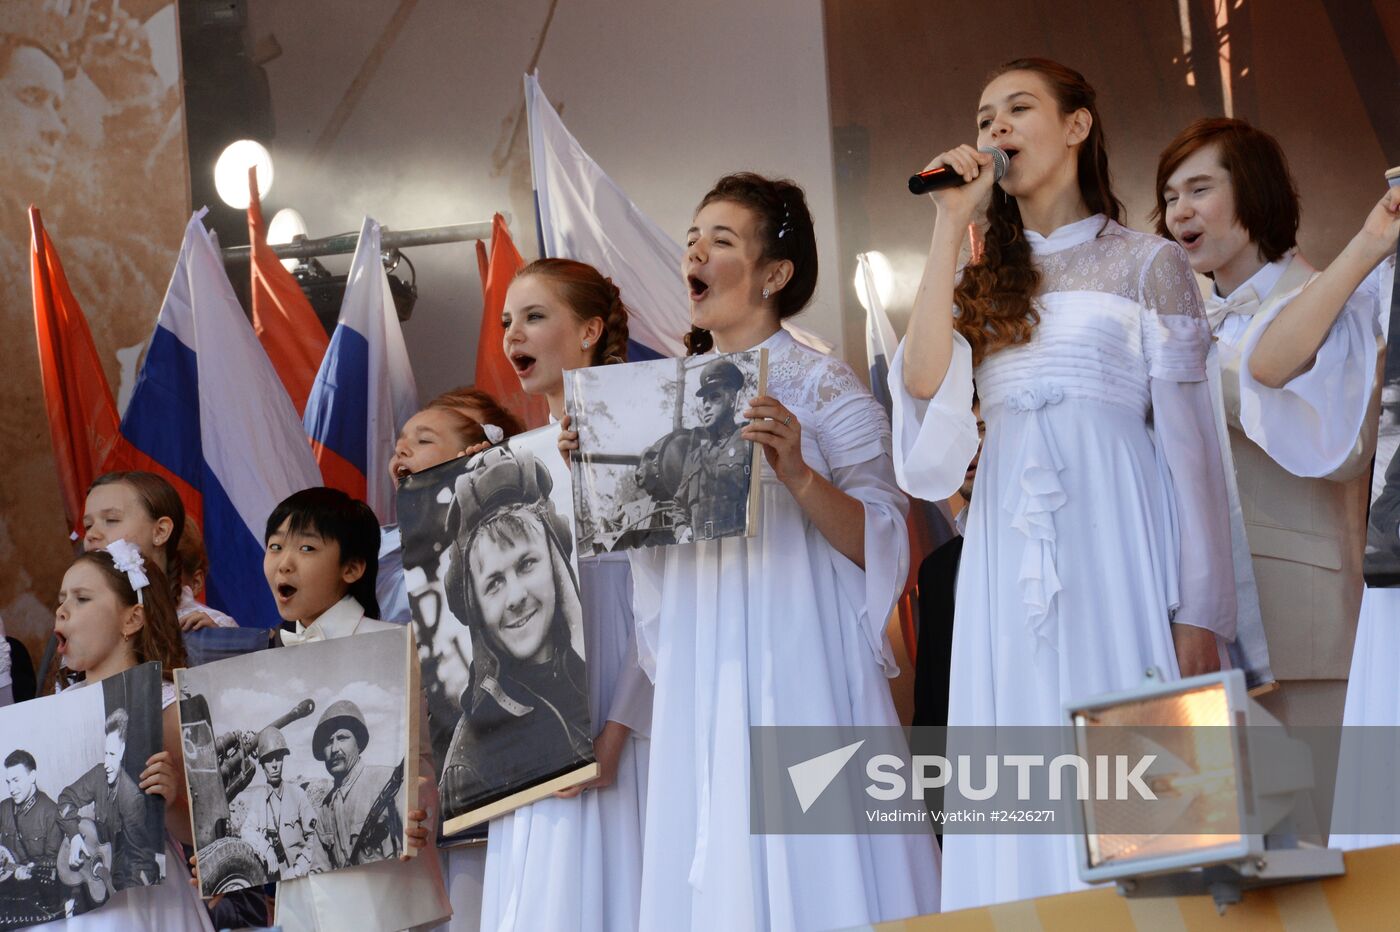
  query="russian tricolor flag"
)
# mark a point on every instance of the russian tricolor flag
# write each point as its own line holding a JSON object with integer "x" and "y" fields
{"x": 364, "y": 392}
{"x": 210, "y": 409}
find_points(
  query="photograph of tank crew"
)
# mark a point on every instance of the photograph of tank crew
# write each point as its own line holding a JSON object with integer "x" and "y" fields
{"x": 296, "y": 758}
{"x": 660, "y": 459}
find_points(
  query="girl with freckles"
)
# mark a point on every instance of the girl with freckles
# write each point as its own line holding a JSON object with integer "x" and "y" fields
{"x": 785, "y": 628}
{"x": 1098, "y": 542}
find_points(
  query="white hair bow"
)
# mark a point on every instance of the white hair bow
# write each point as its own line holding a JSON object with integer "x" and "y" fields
{"x": 127, "y": 558}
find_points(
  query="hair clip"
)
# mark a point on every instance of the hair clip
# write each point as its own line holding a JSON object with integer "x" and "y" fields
{"x": 493, "y": 433}
{"x": 785, "y": 227}
{"x": 126, "y": 556}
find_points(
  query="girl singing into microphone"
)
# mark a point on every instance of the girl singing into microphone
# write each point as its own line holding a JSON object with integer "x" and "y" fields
{"x": 1097, "y": 543}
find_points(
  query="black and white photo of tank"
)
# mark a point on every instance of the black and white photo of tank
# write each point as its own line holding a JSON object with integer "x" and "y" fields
{"x": 298, "y": 759}
{"x": 75, "y": 828}
{"x": 660, "y": 459}
{"x": 491, "y": 568}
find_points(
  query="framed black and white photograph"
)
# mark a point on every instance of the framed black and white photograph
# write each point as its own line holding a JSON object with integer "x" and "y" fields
{"x": 75, "y": 827}
{"x": 660, "y": 459}
{"x": 490, "y": 567}
{"x": 300, "y": 760}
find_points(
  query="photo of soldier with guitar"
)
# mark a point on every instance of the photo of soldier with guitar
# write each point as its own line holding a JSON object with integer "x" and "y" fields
{"x": 75, "y": 828}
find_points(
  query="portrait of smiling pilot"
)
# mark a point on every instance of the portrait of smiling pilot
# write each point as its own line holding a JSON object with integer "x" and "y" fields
{"x": 524, "y": 713}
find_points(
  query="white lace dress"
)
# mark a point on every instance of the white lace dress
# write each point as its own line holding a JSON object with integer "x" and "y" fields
{"x": 778, "y": 629}
{"x": 1101, "y": 457}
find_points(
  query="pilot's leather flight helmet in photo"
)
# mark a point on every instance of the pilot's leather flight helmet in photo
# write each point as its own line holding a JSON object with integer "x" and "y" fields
{"x": 504, "y": 498}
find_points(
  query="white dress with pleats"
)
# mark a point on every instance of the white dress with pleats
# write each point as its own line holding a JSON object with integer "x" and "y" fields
{"x": 1100, "y": 459}
{"x": 777, "y": 629}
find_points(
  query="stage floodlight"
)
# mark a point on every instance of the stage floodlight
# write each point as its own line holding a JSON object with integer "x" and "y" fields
{"x": 286, "y": 226}
{"x": 1226, "y": 776}
{"x": 231, "y": 172}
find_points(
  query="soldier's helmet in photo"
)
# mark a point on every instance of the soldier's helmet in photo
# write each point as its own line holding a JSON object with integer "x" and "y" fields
{"x": 721, "y": 373}
{"x": 339, "y": 714}
{"x": 271, "y": 743}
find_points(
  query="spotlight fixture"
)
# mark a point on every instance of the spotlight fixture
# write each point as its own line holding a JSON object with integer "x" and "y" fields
{"x": 286, "y": 226}
{"x": 231, "y": 172}
{"x": 1227, "y": 779}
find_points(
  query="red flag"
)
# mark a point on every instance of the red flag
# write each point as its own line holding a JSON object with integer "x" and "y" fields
{"x": 83, "y": 421}
{"x": 494, "y": 373}
{"x": 287, "y": 327}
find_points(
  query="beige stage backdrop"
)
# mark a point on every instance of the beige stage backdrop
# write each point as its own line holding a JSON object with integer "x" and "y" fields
{"x": 905, "y": 77}
{"x": 92, "y": 131}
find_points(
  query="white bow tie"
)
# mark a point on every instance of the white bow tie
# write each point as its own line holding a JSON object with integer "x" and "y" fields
{"x": 291, "y": 637}
{"x": 1242, "y": 301}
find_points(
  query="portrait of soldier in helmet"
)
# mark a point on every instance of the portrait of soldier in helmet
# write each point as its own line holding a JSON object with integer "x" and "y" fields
{"x": 510, "y": 582}
{"x": 359, "y": 821}
{"x": 281, "y": 822}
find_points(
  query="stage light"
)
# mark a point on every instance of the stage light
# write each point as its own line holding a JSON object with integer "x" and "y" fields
{"x": 883, "y": 275}
{"x": 1227, "y": 778}
{"x": 231, "y": 172}
{"x": 286, "y": 225}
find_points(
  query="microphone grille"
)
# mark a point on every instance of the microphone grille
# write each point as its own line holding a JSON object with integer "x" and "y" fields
{"x": 1000, "y": 162}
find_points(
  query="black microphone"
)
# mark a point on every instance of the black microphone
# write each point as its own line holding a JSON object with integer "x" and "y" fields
{"x": 945, "y": 176}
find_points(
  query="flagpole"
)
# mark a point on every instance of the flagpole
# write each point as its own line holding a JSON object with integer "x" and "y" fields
{"x": 344, "y": 243}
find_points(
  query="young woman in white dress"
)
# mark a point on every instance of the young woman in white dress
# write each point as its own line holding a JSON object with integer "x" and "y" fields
{"x": 574, "y": 862}
{"x": 1098, "y": 542}
{"x": 785, "y": 628}
{"x": 104, "y": 629}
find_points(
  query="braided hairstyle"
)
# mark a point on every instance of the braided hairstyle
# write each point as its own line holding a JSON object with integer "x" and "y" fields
{"x": 589, "y": 294}
{"x": 784, "y": 229}
{"x": 993, "y": 296}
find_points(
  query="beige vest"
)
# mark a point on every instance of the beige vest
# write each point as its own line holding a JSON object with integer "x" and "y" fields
{"x": 1306, "y": 536}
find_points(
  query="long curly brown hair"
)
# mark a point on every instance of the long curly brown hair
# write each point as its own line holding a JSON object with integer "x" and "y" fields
{"x": 994, "y": 295}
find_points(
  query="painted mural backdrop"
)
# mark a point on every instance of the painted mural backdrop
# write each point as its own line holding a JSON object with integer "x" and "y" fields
{"x": 94, "y": 135}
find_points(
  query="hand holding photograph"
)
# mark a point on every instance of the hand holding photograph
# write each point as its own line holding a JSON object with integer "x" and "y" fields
{"x": 299, "y": 759}
{"x": 500, "y": 625}
{"x": 75, "y": 827}
{"x": 670, "y": 471}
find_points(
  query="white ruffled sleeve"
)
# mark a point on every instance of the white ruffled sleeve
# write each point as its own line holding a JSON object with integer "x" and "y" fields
{"x": 1313, "y": 425}
{"x": 1176, "y": 340}
{"x": 854, "y": 438}
{"x": 934, "y": 440}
